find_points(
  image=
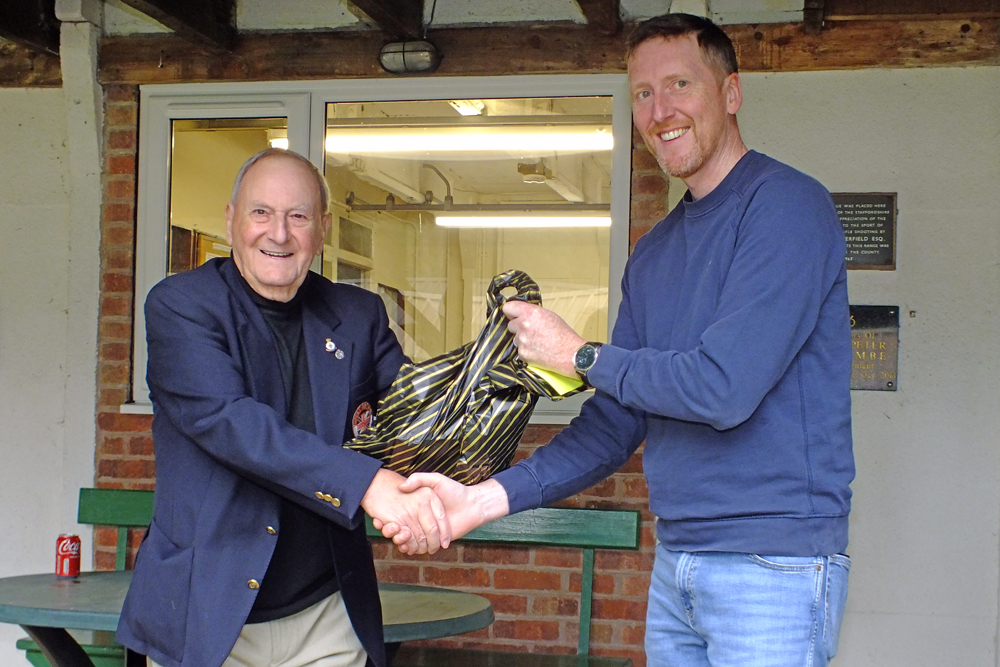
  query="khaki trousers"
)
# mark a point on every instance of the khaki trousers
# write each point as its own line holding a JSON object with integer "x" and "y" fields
{"x": 320, "y": 636}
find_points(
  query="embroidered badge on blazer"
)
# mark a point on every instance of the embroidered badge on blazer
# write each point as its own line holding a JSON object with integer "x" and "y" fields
{"x": 363, "y": 419}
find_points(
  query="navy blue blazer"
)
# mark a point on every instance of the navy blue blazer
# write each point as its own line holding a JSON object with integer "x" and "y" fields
{"x": 226, "y": 456}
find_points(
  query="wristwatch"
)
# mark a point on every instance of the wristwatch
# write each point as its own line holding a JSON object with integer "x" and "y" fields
{"x": 585, "y": 358}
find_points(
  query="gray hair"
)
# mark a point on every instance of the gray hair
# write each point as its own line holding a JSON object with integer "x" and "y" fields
{"x": 324, "y": 187}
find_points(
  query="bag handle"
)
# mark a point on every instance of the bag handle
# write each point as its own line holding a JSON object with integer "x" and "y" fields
{"x": 527, "y": 289}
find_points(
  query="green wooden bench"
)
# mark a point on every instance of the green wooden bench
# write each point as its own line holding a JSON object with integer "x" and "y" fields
{"x": 122, "y": 509}
{"x": 587, "y": 529}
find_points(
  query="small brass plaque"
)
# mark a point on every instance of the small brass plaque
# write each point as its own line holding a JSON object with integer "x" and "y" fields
{"x": 874, "y": 347}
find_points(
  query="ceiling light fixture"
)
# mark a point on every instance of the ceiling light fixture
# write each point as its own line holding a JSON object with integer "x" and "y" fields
{"x": 522, "y": 220}
{"x": 509, "y": 138}
{"x": 409, "y": 57}
{"x": 468, "y": 107}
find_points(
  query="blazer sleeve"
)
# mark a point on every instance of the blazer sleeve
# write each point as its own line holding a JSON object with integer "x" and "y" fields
{"x": 197, "y": 380}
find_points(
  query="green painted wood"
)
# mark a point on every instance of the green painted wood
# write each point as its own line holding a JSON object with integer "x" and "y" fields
{"x": 586, "y": 599}
{"x": 115, "y": 507}
{"x": 559, "y": 526}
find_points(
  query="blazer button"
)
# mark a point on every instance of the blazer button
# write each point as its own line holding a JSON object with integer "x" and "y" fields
{"x": 271, "y": 530}
{"x": 321, "y": 495}
{"x": 253, "y": 584}
{"x": 335, "y": 502}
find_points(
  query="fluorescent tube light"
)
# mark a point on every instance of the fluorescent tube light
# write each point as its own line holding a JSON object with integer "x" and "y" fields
{"x": 523, "y": 138}
{"x": 279, "y": 142}
{"x": 521, "y": 220}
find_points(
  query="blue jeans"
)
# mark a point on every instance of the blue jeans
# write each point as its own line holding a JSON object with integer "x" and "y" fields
{"x": 715, "y": 609}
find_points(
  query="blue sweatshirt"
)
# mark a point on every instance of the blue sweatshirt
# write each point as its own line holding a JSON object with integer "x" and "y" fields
{"x": 731, "y": 357}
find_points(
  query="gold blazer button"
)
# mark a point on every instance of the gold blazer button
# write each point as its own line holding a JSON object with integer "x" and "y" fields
{"x": 253, "y": 584}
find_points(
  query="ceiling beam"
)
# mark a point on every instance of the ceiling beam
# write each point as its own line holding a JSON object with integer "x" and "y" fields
{"x": 207, "y": 23}
{"x": 400, "y": 19}
{"x": 23, "y": 67}
{"x": 31, "y": 23}
{"x": 602, "y": 15}
{"x": 908, "y": 10}
{"x": 777, "y": 47}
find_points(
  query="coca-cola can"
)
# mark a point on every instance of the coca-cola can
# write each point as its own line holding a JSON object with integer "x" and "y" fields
{"x": 68, "y": 555}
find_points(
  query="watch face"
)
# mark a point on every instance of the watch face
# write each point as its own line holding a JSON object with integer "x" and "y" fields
{"x": 585, "y": 357}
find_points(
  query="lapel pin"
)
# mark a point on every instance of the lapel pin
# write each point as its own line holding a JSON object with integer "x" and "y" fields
{"x": 339, "y": 354}
{"x": 330, "y": 345}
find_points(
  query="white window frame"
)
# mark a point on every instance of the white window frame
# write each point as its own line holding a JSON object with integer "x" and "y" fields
{"x": 304, "y": 103}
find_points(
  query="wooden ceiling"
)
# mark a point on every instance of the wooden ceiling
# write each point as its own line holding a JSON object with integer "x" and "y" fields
{"x": 205, "y": 45}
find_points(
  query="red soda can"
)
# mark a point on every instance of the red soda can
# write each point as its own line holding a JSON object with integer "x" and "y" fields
{"x": 68, "y": 555}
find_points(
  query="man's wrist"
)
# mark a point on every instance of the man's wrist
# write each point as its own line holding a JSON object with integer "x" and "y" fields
{"x": 585, "y": 358}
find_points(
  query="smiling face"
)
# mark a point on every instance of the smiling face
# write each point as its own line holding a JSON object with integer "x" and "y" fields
{"x": 276, "y": 226}
{"x": 685, "y": 108}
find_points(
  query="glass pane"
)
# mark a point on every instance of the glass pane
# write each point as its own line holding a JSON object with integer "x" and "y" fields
{"x": 433, "y": 198}
{"x": 204, "y": 158}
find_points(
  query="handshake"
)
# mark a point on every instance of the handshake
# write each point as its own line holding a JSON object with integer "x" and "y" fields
{"x": 426, "y": 511}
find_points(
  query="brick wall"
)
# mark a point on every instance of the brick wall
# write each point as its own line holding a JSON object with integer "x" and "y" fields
{"x": 535, "y": 592}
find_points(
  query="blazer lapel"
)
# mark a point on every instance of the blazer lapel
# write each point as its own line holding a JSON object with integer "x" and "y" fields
{"x": 328, "y": 352}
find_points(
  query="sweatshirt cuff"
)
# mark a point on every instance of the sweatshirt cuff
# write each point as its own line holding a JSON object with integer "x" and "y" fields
{"x": 523, "y": 490}
{"x": 604, "y": 374}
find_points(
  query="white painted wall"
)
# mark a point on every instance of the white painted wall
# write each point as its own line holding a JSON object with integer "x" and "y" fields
{"x": 926, "y": 517}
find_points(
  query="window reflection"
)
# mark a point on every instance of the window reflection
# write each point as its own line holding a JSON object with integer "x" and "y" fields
{"x": 397, "y": 170}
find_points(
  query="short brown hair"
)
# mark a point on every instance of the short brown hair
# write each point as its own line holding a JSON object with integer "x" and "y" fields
{"x": 324, "y": 187}
{"x": 714, "y": 43}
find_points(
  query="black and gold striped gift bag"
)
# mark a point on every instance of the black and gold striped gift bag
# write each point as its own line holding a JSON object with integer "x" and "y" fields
{"x": 462, "y": 413}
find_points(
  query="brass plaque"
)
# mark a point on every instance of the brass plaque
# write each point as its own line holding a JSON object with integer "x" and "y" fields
{"x": 869, "y": 222}
{"x": 874, "y": 347}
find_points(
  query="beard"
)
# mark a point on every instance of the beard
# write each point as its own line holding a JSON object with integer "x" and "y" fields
{"x": 681, "y": 166}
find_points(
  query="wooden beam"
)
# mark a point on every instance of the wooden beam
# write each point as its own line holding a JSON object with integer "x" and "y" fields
{"x": 812, "y": 16}
{"x": 23, "y": 67}
{"x": 909, "y": 10}
{"x": 400, "y": 19}
{"x": 31, "y": 23}
{"x": 209, "y": 24}
{"x": 602, "y": 15}
{"x": 780, "y": 47}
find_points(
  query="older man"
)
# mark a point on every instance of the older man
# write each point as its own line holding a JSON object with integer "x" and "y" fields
{"x": 731, "y": 359}
{"x": 257, "y": 553}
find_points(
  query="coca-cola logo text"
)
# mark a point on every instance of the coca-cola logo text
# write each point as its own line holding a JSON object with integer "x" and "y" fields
{"x": 68, "y": 548}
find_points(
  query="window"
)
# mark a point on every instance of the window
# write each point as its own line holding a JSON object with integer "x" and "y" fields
{"x": 438, "y": 185}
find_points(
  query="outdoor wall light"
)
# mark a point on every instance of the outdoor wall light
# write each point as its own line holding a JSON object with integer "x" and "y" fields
{"x": 409, "y": 57}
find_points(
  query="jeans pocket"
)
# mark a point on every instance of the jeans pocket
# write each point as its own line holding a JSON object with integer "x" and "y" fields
{"x": 786, "y": 563}
{"x": 836, "y": 600}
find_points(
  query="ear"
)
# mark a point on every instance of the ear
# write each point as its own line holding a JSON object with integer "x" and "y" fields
{"x": 230, "y": 211}
{"x": 325, "y": 223}
{"x": 733, "y": 93}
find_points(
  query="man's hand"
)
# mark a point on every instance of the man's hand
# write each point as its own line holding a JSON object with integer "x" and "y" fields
{"x": 542, "y": 337}
{"x": 415, "y": 520}
{"x": 468, "y": 507}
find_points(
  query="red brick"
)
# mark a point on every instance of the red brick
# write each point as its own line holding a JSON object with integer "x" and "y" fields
{"x": 633, "y": 635}
{"x": 625, "y": 610}
{"x": 120, "y": 212}
{"x": 120, "y": 189}
{"x": 643, "y": 160}
{"x": 112, "y": 306}
{"x": 636, "y": 488}
{"x": 119, "y": 165}
{"x": 117, "y": 258}
{"x": 600, "y": 633}
{"x": 627, "y": 561}
{"x": 508, "y": 604}
{"x": 121, "y": 92}
{"x": 636, "y": 232}
{"x": 605, "y": 489}
{"x": 558, "y": 557}
{"x": 402, "y": 574}
{"x": 113, "y": 373}
{"x": 115, "y": 351}
{"x": 527, "y": 630}
{"x": 381, "y": 551}
{"x": 649, "y": 210}
{"x": 118, "y": 234}
{"x": 140, "y": 445}
{"x": 121, "y": 114}
{"x": 539, "y": 435}
{"x": 116, "y": 282}
{"x": 116, "y": 422}
{"x": 104, "y": 561}
{"x": 604, "y": 584}
{"x": 495, "y": 555}
{"x": 456, "y": 577}
{"x": 556, "y": 606}
{"x": 527, "y": 580}
{"x": 111, "y": 330}
{"x": 112, "y": 396}
{"x": 126, "y": 469}
{"x": 649, "y": 184}
{"x": 633, "y": 465}
{"x": 124, "y": 139}
{"x": 636, "y": 586}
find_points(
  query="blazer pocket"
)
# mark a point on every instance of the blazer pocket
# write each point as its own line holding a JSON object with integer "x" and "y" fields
{"x": 160, "y": 591}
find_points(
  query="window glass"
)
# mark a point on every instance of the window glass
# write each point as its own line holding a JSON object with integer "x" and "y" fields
{"x": 433, "y": 198}
{"x": 205, "y": 156}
